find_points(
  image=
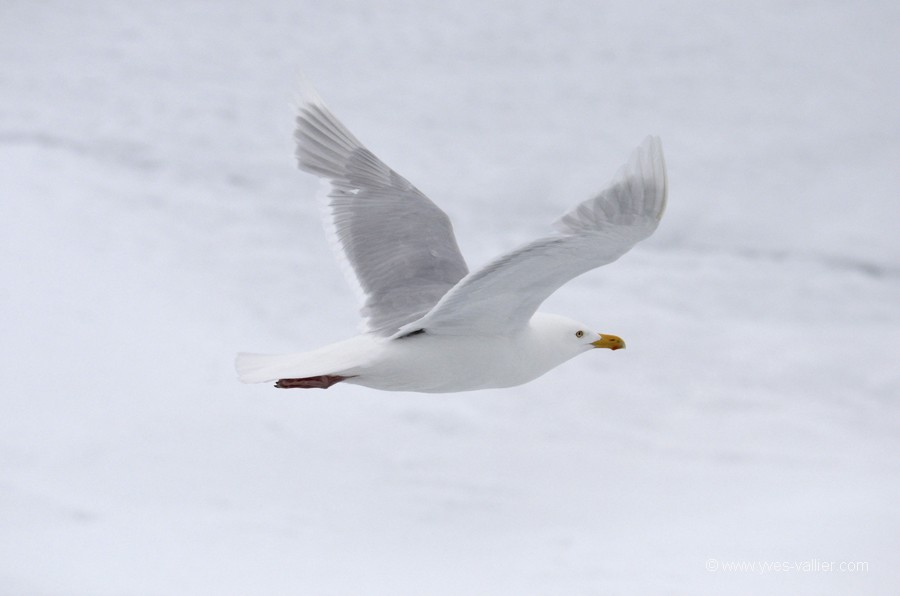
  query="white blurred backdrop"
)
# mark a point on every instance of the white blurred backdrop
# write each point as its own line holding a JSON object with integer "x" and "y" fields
{"x": 153, "y": 224}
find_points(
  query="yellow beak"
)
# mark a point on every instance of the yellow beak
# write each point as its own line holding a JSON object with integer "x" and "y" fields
{"x": 609, "y": 341}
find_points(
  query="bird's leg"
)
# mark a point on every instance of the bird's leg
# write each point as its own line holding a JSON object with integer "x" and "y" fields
{"x": 320, "y": 382}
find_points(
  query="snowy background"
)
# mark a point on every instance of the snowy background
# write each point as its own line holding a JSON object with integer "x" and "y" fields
{"x": 153, "y": 224}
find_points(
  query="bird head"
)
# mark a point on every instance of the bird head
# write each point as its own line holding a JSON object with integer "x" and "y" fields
{"x": 568, "y": 338}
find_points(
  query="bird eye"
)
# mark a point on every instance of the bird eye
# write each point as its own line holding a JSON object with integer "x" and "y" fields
{"x": 579, "y": 333}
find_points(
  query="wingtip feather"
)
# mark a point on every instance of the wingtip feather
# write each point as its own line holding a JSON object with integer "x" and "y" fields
{"x": 635, "y": 197}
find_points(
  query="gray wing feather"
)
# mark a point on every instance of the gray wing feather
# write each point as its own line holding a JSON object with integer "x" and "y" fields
{"x": 397, "y": 247}
{"x": 501, "y": 297}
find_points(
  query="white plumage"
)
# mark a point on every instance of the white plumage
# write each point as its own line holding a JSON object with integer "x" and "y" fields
{"x": 430, "y": 325}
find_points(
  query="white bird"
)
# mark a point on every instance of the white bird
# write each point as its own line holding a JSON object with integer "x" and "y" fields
{"x": 429, "y": 324}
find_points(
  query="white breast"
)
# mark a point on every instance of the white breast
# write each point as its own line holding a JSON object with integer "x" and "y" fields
{"x": 449, "y": 363}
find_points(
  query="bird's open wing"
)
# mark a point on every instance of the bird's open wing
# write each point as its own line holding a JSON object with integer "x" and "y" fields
{"x": 396, "y": 246}
{"x": 502, "y": 296}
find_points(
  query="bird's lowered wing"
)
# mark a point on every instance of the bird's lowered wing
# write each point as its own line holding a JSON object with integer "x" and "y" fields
{"x": 502, "y": 296}
{"x": 396, "y": 246}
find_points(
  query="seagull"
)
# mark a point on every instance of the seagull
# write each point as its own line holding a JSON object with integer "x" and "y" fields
{"x": 429, "y": 324}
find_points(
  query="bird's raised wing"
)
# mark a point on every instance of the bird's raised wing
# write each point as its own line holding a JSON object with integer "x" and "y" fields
{"x": 501, "y": 297}
{"x": 396, "y": 247}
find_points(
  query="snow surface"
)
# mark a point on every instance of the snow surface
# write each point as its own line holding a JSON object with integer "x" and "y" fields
{"x": 153, "y": 224}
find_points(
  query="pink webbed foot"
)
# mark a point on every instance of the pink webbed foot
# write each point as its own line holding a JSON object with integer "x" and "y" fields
{"x": 320, "y": 382}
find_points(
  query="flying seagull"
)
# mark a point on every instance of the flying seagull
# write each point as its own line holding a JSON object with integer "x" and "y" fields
{"x": 431, "y": 325}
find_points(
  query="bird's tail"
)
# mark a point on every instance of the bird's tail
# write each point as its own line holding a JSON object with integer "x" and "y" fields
{"x": 259, "y": 368}
{"x": 343, "y": 358}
